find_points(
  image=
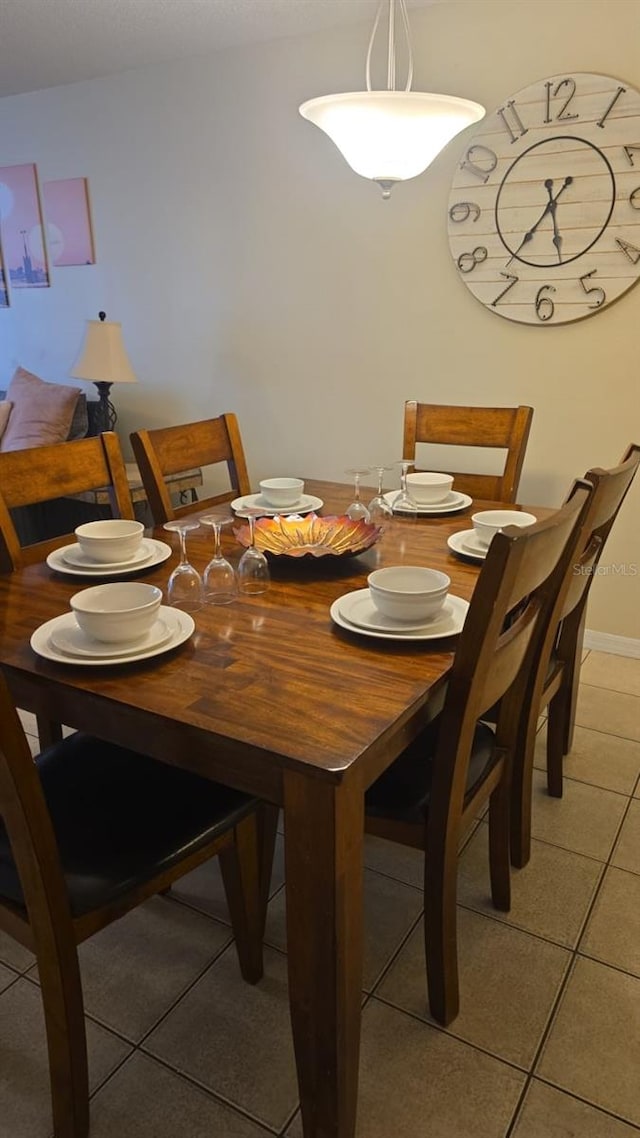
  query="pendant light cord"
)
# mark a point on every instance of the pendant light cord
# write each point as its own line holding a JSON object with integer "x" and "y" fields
{"x": 391, "y": 46}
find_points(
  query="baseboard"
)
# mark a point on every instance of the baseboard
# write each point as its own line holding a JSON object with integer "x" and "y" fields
{"x": 616, "y": 645}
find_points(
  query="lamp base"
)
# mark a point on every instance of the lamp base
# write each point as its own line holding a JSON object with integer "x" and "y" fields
{"x": 106, "y": 415}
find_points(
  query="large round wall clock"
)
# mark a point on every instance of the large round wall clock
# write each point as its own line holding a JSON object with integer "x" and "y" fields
{"x": 544, "y": 211}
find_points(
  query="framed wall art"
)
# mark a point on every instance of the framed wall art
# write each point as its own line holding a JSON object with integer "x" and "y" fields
{"x": 25, "y": 256}
{"x": 68, "y": 220}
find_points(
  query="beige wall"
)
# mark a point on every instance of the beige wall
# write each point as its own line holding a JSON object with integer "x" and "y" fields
{"x": 253, "y": 271}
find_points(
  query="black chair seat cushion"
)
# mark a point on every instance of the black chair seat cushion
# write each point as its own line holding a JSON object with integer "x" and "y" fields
{"x": 120, "y": 818}
{"x": 403, "y": 791}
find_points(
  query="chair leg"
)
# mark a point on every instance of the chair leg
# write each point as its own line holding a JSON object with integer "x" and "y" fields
{"x": 67, "y": 1045}
{"x": 521, "y": 792}
{"x": 559, "y": 711}
{"x": 240, "y": 868}
{"x": 572, "y": 670}
{"x": 440, "y": 931}
{"x": 499, "y": 845}
{"x": 267, "y": 830}
{"x": 49, "y": 732}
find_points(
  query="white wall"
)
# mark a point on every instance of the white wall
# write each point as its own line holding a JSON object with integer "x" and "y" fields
{"x": 253, "y": 271}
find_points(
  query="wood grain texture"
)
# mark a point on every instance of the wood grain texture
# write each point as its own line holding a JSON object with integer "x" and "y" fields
{"x": 270, "y": 697}
{"x": 169, "y": 450}
{"x": 40, "y": 474}
{"x": 506, "y": 428}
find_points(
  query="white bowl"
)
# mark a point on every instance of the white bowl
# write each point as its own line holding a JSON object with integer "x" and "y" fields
{"x": 426, "y": 488}
{"x": 488, "y": 523}
{"x": 114, "y": 539}
{"x": 408, "y": 592}
{"x": 282, "y": 491}
{"x": 118, "y": 612}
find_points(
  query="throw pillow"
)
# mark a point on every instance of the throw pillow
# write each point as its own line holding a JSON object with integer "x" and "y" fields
{"x": 41, "y": 414}
{"x": 5, "y": 411}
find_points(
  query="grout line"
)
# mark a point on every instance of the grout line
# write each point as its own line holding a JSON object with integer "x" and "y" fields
{"x": 603, "y": 1109}
{"x": 450, "y": 1035}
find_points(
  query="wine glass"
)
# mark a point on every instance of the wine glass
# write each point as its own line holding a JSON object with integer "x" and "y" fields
{"x": 402, "y": 502}
{"x": 184, "y": 587}
{"x": 357, "y": 511}
{"x": 379, "y": 509}
{"x": 253, "y": 567}
{"x": 220, "y": 586}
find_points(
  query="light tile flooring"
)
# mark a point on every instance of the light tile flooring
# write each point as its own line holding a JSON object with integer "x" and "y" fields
{"x": 547, "y": 1044}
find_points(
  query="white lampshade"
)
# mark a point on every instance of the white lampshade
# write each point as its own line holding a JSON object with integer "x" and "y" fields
{"x": 103, "y": 358}
{"x": 390, "y": 136}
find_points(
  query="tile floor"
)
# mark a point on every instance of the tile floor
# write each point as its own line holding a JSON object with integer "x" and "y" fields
{"x": 547, "y": 1044}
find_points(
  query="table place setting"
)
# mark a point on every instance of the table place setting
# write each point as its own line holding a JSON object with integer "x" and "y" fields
{"x": 108, "y": 548}
{"x": 474, "y": 543}
{"x": 425, "y": 492}
{"x": 278, "y": 496}
{"x": 116, "y": 623}
{"x": 402, "y": 602}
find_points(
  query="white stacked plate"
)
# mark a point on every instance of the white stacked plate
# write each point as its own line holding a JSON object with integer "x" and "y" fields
{"x": 452, "y": 504}
{"x": 356, "y": 612}
{"x": 305, "y": 504}
{"x": 465, "y": 543}
{"x": 62, "y": 640}
{"x": 71, "y": 559}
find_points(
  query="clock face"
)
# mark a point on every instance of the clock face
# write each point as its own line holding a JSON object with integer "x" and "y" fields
{"x": 544, "y": 210}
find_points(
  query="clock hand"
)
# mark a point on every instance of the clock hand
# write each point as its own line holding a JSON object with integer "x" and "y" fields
{"x": 553, "y": 205}
{"x": 549, "y": 208}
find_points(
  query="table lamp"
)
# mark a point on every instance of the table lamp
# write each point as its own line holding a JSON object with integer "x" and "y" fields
{"x": 103, "y": 360}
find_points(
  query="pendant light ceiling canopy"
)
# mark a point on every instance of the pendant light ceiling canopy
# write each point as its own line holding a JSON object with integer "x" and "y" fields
{"x": 391, "y": 135}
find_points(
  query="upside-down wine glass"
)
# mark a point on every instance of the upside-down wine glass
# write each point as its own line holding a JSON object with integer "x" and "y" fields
{"x": 253, "y": 567}
{"x": 357, "y": 511}
{"x": 379, "y": 509}
{"x": 184, "y": 587}
{"x": 402, "y": 502}
{"x": 220, "y": 585}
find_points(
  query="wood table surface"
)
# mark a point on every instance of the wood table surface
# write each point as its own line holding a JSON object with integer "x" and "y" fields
{"x": 271, "y": 697}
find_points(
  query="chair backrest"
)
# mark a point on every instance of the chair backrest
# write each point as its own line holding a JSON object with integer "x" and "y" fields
{"x": 505, "y": 428}
{"x": 610, "y": 489}
{"x": 504, "y": 632}
{"x": 169, "y": 450}
{"x": 40, "y": 474}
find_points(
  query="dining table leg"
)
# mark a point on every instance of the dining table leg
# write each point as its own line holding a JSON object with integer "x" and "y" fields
{"x": 324, "y": 827}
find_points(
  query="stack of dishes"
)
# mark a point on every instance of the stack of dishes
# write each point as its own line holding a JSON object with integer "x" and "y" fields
{"x": 113, "y": 624}
{"x": 304, "y": 504}
{"x": 108, "y": 548}
{"x": 451, "y": 503}
{"x": 474, "y": 543}
{"x": 402, "y": 602}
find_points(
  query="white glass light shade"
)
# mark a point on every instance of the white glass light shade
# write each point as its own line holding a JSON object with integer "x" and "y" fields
{"x": 103, "y": 358}
{"x": 390, "y": 136}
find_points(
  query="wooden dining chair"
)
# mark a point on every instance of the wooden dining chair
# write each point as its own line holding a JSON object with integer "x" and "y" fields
{"x": 89, "y": 831}
{"x": 429, "y": 796}
{"x": 41, "y": 474}
{"x": 556, "y": 685}
{"x": 167, "y": 450}
{"x": 505, "y": 428}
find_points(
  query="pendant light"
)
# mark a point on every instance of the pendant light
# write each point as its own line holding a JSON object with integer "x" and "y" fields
{"x": 391, "y": 135}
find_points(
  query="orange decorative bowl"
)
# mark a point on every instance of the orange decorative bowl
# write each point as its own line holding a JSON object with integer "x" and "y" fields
{"x": 311, "y": 536}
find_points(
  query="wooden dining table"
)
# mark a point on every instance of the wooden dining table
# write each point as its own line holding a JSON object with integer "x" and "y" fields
{"x": 271, "y": 697}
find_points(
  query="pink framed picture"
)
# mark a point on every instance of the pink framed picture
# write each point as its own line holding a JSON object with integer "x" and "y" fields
{"x": 25, "y": 256}
{"x": 68, "y": 221}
